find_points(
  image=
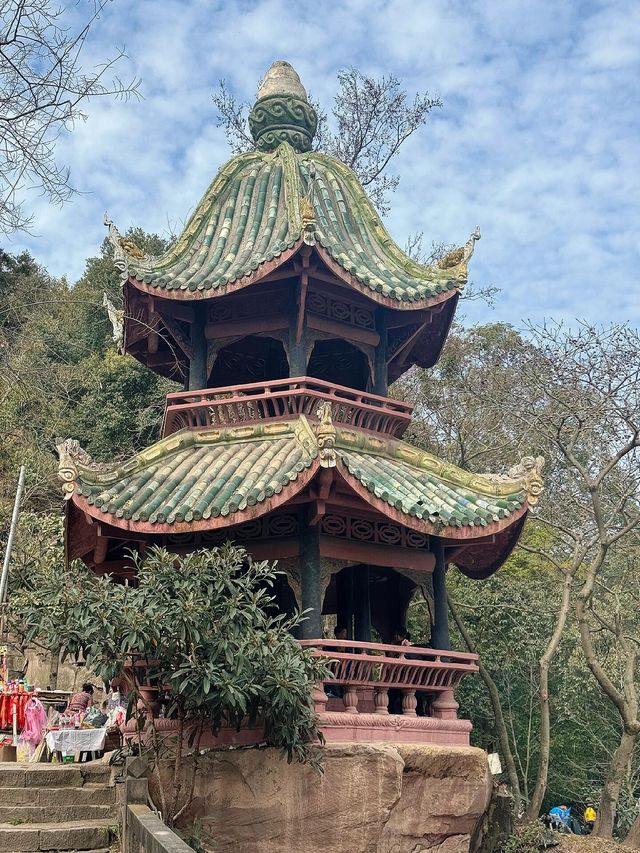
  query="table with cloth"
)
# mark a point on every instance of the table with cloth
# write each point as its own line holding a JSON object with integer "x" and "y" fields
{"x": 74, "y": 741}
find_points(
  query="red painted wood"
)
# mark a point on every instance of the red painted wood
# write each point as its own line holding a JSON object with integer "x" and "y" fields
{"x": 284, "y": 399}
{"x": 379, "y": 665}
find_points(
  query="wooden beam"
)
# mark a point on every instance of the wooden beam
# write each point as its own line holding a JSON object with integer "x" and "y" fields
{"x": 242, "y": 328}
{"x": 319, "y": 507}
{"x": 278, "y": 275}
{"x": 100, "y": 551}
{"x": 177, "y": 334}
{"x": 375, "y": 554}
{"x": 171, "y": 308}
{"x": 343, "y": 330}
{"x": 153, "y": 342}
{"x": 406, "y": 345}
{"x": 302, "y": 297}
{"x": 161, "y": 358}
{"x": 399, "y": 319}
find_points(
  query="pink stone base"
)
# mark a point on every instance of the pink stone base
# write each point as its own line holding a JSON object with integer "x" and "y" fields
{"x": 341, "y": 727}
{"x": 337, "y": 727}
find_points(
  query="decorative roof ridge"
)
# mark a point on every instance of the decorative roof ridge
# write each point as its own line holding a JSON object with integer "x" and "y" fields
{"x": 525, "y": 476}
{"x": 75, "y": 463}
{"x": 455, "y": 263}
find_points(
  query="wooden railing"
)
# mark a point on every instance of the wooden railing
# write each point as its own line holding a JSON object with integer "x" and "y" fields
{"x": 283, "y": 399}
{"x": 408, "y": 669}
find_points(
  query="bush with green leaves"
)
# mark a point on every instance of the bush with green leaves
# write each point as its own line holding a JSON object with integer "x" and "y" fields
{"x": 204, "y": 625}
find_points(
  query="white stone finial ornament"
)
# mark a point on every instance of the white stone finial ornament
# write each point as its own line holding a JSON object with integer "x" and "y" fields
{"x": 281, "y": 79}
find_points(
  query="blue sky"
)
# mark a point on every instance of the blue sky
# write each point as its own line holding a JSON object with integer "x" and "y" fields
{"x": 537, "y": 140}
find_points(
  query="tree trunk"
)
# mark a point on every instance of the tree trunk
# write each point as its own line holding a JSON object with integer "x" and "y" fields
{"x": 54, "y": 668}
{"x": 177, "y": 767}
{"x": 633, "y": 836}
{"x": 535, "y": 804}
{"x": 613, "y": 783}
{"x": 498, "y": 717}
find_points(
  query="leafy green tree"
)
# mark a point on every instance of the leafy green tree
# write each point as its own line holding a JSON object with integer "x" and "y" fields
{"x": 60, "y": 374}
{"x": 205, "y": 626}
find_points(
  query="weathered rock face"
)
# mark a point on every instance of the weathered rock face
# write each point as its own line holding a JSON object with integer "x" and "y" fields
{"x": 371, "y": 798}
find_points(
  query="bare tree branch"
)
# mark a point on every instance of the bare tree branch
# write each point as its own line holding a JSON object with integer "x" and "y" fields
{"x": 43, "y": 92}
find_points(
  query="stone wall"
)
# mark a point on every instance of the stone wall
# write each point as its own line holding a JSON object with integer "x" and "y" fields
{"x": 144, "y": 832}
{"x": 41, "y": 670}
{"x": 371, "y": 798}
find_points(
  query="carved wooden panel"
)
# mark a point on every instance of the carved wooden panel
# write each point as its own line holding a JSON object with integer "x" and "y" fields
{"x": 379, "y": 532}
{"x": 340, "y": 310}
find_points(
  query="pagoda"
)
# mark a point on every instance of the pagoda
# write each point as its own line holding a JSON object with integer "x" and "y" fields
{"x": 286, "y": 309}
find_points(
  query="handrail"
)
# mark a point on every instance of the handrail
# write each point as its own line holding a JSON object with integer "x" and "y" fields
{"x": 388, "y": 647}
{"x": 283, "y": 398}
{"x": 382, "y": 665}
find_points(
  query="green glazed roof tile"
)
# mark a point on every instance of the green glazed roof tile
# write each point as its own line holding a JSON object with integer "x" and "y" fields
{"x": 251, "y": 214}
{"x": 220, "y": 473}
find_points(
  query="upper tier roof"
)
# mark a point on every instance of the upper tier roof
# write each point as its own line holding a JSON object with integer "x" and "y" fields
{"x": 264, "y": 205}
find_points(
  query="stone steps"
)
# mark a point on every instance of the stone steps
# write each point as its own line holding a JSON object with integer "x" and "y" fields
{"x": 45, "y": 807}
{"x": 52, "y": 776}
{"x": 88, "y": 795}
{"x": 55, "y": 814}
{"x": 67, "y": 835}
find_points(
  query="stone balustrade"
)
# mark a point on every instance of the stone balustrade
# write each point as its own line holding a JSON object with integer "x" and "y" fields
{"x": 375, "y": 677}
{"x": 396, "y": 694}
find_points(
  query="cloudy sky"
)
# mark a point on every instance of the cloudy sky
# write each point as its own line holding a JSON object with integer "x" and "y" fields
{"x": 537, "y": 140}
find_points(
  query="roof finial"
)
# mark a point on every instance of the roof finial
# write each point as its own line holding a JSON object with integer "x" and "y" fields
{"x": 282, "y": 112}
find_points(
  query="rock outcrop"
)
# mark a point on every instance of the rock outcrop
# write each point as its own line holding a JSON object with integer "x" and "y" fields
{"x": 371, "y": 798}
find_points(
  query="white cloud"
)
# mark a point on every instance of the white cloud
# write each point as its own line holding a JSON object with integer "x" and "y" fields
{"x": 537, "y": 140}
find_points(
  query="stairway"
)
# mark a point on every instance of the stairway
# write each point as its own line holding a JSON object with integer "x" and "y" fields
{"x": 54, "y": 807}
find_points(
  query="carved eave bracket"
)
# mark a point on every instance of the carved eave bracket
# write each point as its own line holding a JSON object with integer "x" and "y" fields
{"x": 326, "y": 436}
{"x": 116, "y": 316}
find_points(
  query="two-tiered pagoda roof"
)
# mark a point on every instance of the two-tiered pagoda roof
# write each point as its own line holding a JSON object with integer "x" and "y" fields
{"x": 285, "y": 242}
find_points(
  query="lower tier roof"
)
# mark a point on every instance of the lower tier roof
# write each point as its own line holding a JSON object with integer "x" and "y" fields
{"x": 217, "y": 478}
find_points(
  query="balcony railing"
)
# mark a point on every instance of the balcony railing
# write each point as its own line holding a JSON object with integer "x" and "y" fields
{"x": 379, "y": 668}
{"x": 283, "y": 399}
{"x": 374, "y": 693}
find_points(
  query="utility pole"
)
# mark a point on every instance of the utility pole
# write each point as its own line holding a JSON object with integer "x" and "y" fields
{"x": 12, "y": 533}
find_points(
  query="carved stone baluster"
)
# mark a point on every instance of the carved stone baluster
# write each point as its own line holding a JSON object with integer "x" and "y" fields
{"x": 319, "y": 698}
{"x": 445, "y": 707}
{"x": 350, "y": 699}
{"x": 381, "y": 700}
{"x": 409, "y": 703}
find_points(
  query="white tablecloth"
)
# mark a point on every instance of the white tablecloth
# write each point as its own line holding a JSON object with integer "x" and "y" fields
{"x": 76, "y": 740}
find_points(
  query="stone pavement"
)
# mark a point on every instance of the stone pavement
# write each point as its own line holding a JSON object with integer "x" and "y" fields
{"x": 55, "y": 807}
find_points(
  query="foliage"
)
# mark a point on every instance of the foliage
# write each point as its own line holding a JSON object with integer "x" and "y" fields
{"x": 570, "y": 395}
{"x": 43, "y": 91}
{"x": 61, "y": 375}
{"x": 526, "y": 838}
{"x": 202, "y": 625}
{"x": 370, "y": 121}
